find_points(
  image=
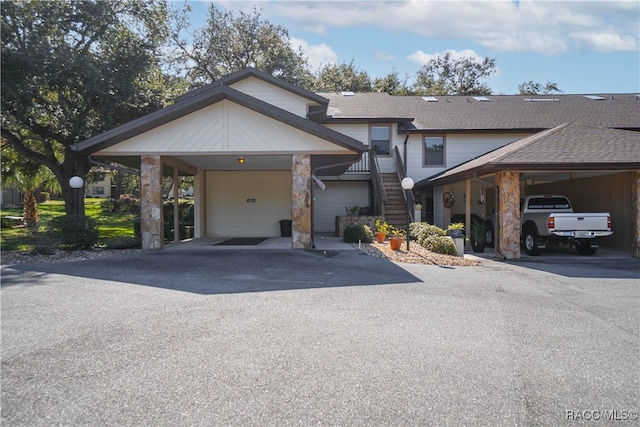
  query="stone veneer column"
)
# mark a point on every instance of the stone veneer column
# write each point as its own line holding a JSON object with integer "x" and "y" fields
{"x": 509, "y": 214}
{"x": 151, "y": 202}
{"x": 301, "y": 201}
{"x": 635, "y": 214}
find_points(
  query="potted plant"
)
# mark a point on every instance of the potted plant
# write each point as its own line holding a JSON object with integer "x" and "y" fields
{"x": 456, "y": 230}
{"x": 382, "y": 230}
{"x": 478, "y": 236}
{"x": 396, "y": 239}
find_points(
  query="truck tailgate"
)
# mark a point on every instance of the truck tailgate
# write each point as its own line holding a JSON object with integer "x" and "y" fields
{"x": 580, "y": 221}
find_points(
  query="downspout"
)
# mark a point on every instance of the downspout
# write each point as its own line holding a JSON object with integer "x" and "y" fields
{"x": 496, "y": 225}
{"x": 406, "y": 167}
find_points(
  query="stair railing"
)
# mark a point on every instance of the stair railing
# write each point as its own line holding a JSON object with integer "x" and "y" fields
{"x": 409, "y": 197}
{"x": 379, "y": 194}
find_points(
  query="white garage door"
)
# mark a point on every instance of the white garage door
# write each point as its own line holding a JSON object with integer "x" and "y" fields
{"x": 331, "y": 201}
{"x": 247, "y": 204}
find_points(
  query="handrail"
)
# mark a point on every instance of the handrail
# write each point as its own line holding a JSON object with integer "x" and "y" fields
{"x": 379, "y": 194}
{"x": 409, "y": 197}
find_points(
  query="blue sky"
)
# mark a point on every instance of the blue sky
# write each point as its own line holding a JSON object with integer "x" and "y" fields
{"x": 583, "y": 46}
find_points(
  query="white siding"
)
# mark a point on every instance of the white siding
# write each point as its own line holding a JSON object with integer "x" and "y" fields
{"x": 229, "y": 214}
{"x": 273, "y": 95}
{"x": 458, "y": 149}
{"x": 355, "y": 131}
{"x": 331, "y": 201}
{"x": 224, "y": 128}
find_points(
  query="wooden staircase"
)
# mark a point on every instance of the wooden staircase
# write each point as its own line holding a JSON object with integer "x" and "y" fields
{"x": 395, "y": 209}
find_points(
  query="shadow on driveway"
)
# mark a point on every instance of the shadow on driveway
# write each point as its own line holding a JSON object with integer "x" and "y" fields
{"x": 225, "y": 272}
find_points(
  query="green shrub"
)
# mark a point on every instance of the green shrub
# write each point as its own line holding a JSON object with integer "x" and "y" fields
{"x": 355, "y": 232}
{"x": 127, "y": 203}
{"x": 108, "y": 205}
{"x": 44, "y": 197}
{"x": 420, "y": 231}
{"x": 74, "y": 231}
{"x": 440, "y": 244}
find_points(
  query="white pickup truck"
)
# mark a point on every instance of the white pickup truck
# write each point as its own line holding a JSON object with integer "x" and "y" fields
{"x": 549, "y": 220}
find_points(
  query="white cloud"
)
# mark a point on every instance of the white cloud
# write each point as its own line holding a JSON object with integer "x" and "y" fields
{"x": 385, "y": 57}
{"x": 544, "y": 27}
{"x": 318, "y": 55}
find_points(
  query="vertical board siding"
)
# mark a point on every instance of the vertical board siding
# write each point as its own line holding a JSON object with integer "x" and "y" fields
{"x": 330, "y": 202}
{"x": 608, "y": 193}
{"x": 273, "y": 95}
{"x": 229, "y": 214}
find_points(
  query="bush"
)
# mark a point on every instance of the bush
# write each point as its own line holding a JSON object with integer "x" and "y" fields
{"x": 108, "y": 205}
{"x": 440, "y": 244}
{"x": 74, "y": 232}
{"x": 420, "y": 231}
{"x": 44, "y": 197}
{"x": 185, "y": 215}
{"x": 355, "y": 232}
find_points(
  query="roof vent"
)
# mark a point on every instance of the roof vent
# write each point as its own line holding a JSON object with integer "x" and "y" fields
{"x": 430, "y": 98}
{"x": 347, "y": 93}
{"x": 481, "y": 98}
{"x": 594, "y": 97}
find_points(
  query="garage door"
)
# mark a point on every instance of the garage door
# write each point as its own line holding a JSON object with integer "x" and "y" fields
{"x": 331, "y": 201}
{"x": 247, "y": 204}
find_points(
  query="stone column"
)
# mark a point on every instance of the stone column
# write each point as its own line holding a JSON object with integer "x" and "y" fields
{"x": 509, "y": 214}
{"x": 151, "y": 202}
{"x": 301, "y": 201}
{"x": 635, "y": 214}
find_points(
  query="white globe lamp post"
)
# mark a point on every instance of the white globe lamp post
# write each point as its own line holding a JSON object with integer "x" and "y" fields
{"x": 76, "y": 183}
{"x": 407, "y": 185}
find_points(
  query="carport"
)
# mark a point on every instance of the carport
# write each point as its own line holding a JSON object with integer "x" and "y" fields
{"x": 597, "y": 168}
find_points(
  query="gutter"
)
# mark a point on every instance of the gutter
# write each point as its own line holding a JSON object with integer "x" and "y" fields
{"x": 496, "y": 225}
{"x": 406, "y": 139}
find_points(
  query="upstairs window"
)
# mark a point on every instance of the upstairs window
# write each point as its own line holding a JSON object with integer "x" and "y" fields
{"x": 380, "y": 140}
{"x": 434, "y": 150}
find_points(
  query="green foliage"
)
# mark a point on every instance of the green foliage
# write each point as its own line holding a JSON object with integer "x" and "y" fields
{"x": 393, "y": 85}
{"x": 185, "y": 215}
{"x": 445, "y": 75}
{"x": 382, "y": 227}
{"x": 356, "y": 232}
{"x": 440, "y": 244}
{"x": 72, "y": 69}
{"x": 229, "y": 43}
{"x": 420, "y": 231}
{"x": 536, "y": 88}
{"x": 342, "y": 77}
{"x": 74, "y": 232}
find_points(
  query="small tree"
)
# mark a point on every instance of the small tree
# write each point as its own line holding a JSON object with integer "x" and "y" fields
{"x": 536, "y": 88}
{"x": 446, "y": 75}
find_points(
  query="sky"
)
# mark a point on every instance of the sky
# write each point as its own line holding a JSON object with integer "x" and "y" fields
{"x": 585, "y": 47}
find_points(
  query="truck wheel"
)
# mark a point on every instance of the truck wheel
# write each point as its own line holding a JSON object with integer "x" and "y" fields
{"x": 585, "y": 248}
{"x": 530, "y": 242}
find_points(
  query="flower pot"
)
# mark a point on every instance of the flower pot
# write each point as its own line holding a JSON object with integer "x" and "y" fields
{"x": 456, "y": 233}
{"x": 395, "y": 243}
{"x": 477, "y": 244}
{"x": 380, "y": 237}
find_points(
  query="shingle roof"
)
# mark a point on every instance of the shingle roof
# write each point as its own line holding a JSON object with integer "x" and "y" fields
{"x": 500, "y": 112}
{"x": 562, "y": 147}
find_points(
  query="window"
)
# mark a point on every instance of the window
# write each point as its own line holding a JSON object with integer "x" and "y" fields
{"x": 434, "y": 150}
{"x": 98, "y": 190}
{"x": 380, "y": 137}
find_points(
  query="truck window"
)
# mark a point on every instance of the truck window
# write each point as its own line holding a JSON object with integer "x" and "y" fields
{"x": 548, "y": 203}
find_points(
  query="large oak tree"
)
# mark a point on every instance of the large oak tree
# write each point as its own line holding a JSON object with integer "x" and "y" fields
{"x": 72, "y": 69}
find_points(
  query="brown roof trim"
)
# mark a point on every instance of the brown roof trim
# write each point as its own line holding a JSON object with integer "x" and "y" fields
{"x": 360, "y": 120}
{"x": 254, "y": 72}
{"x": 464, "y": 131}
{"x": 204, "y": 99}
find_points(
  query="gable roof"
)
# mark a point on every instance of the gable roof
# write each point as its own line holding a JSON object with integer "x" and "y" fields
{"x": 253, "y": 72}
{"x": 203, "y": 99}
{"x": 568, "y": 146}
{"x": 502, "y": 113}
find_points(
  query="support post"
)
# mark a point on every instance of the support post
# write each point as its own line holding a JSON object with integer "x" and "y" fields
{"x": 176, "y": 206}
{"x": 509, "y": 213}
{"x": 301, "y": 201}
{"x": 151, "y": 202}
{"x": 635, "y": 214}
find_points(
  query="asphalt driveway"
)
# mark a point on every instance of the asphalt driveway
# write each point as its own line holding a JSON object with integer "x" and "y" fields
{"x": 313, "y": 337}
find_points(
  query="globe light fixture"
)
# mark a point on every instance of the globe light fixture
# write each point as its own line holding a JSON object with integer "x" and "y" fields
{"x": 76, "y": 183}
{"x": 407, "y": 185}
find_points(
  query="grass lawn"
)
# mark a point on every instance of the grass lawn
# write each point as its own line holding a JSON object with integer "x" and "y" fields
{"x": 116, "y": 229}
